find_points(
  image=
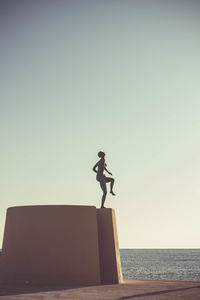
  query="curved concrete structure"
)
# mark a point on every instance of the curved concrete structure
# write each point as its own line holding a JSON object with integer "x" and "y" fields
{"x": 51, "y": 244}
{"x": 59, "y": 244}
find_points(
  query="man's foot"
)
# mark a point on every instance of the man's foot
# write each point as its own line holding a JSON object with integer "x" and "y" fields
{"x": 103, "y": 207}
{"x": 112, "y": 193}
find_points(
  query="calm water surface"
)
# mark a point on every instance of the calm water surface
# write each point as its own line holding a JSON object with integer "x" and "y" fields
{"x": 169, "y": 264}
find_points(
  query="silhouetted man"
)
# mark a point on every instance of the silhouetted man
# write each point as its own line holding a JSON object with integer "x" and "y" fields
{"x": 99, "y": 168}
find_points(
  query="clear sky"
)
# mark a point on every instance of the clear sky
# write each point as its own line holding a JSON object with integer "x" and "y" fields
{"x": 123, "y": 77}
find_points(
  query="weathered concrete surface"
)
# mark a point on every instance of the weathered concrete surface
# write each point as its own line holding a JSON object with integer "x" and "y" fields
{"x": 51, "y": 244}
{"x": 130, "y": 289}
{"x": 110, "y": 264}
{"x": 60, "y": 244}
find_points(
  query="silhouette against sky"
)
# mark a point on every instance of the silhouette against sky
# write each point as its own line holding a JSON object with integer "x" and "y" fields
{"x": 99, "y": 168}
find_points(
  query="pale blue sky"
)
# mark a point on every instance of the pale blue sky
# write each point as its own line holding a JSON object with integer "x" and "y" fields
{"x": 118, "y": 76}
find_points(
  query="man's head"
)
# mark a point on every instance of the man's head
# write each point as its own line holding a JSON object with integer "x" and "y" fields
{"x": 101, "y": 154}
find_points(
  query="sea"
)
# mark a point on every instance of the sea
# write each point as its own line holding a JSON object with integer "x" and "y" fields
{"x": 163, "y": 264}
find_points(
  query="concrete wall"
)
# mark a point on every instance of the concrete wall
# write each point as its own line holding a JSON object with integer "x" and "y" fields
{"x": 51, "y": 244}
{"x": 110, "y": 265}
{"x": 60, "y": 244}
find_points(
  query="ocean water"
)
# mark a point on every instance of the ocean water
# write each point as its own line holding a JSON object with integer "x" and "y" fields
{"x": 167, "y": 264}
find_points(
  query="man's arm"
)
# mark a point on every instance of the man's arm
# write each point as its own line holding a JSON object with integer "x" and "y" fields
{"x": 107, "y": 171}
{"x": 94, "y": 168}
